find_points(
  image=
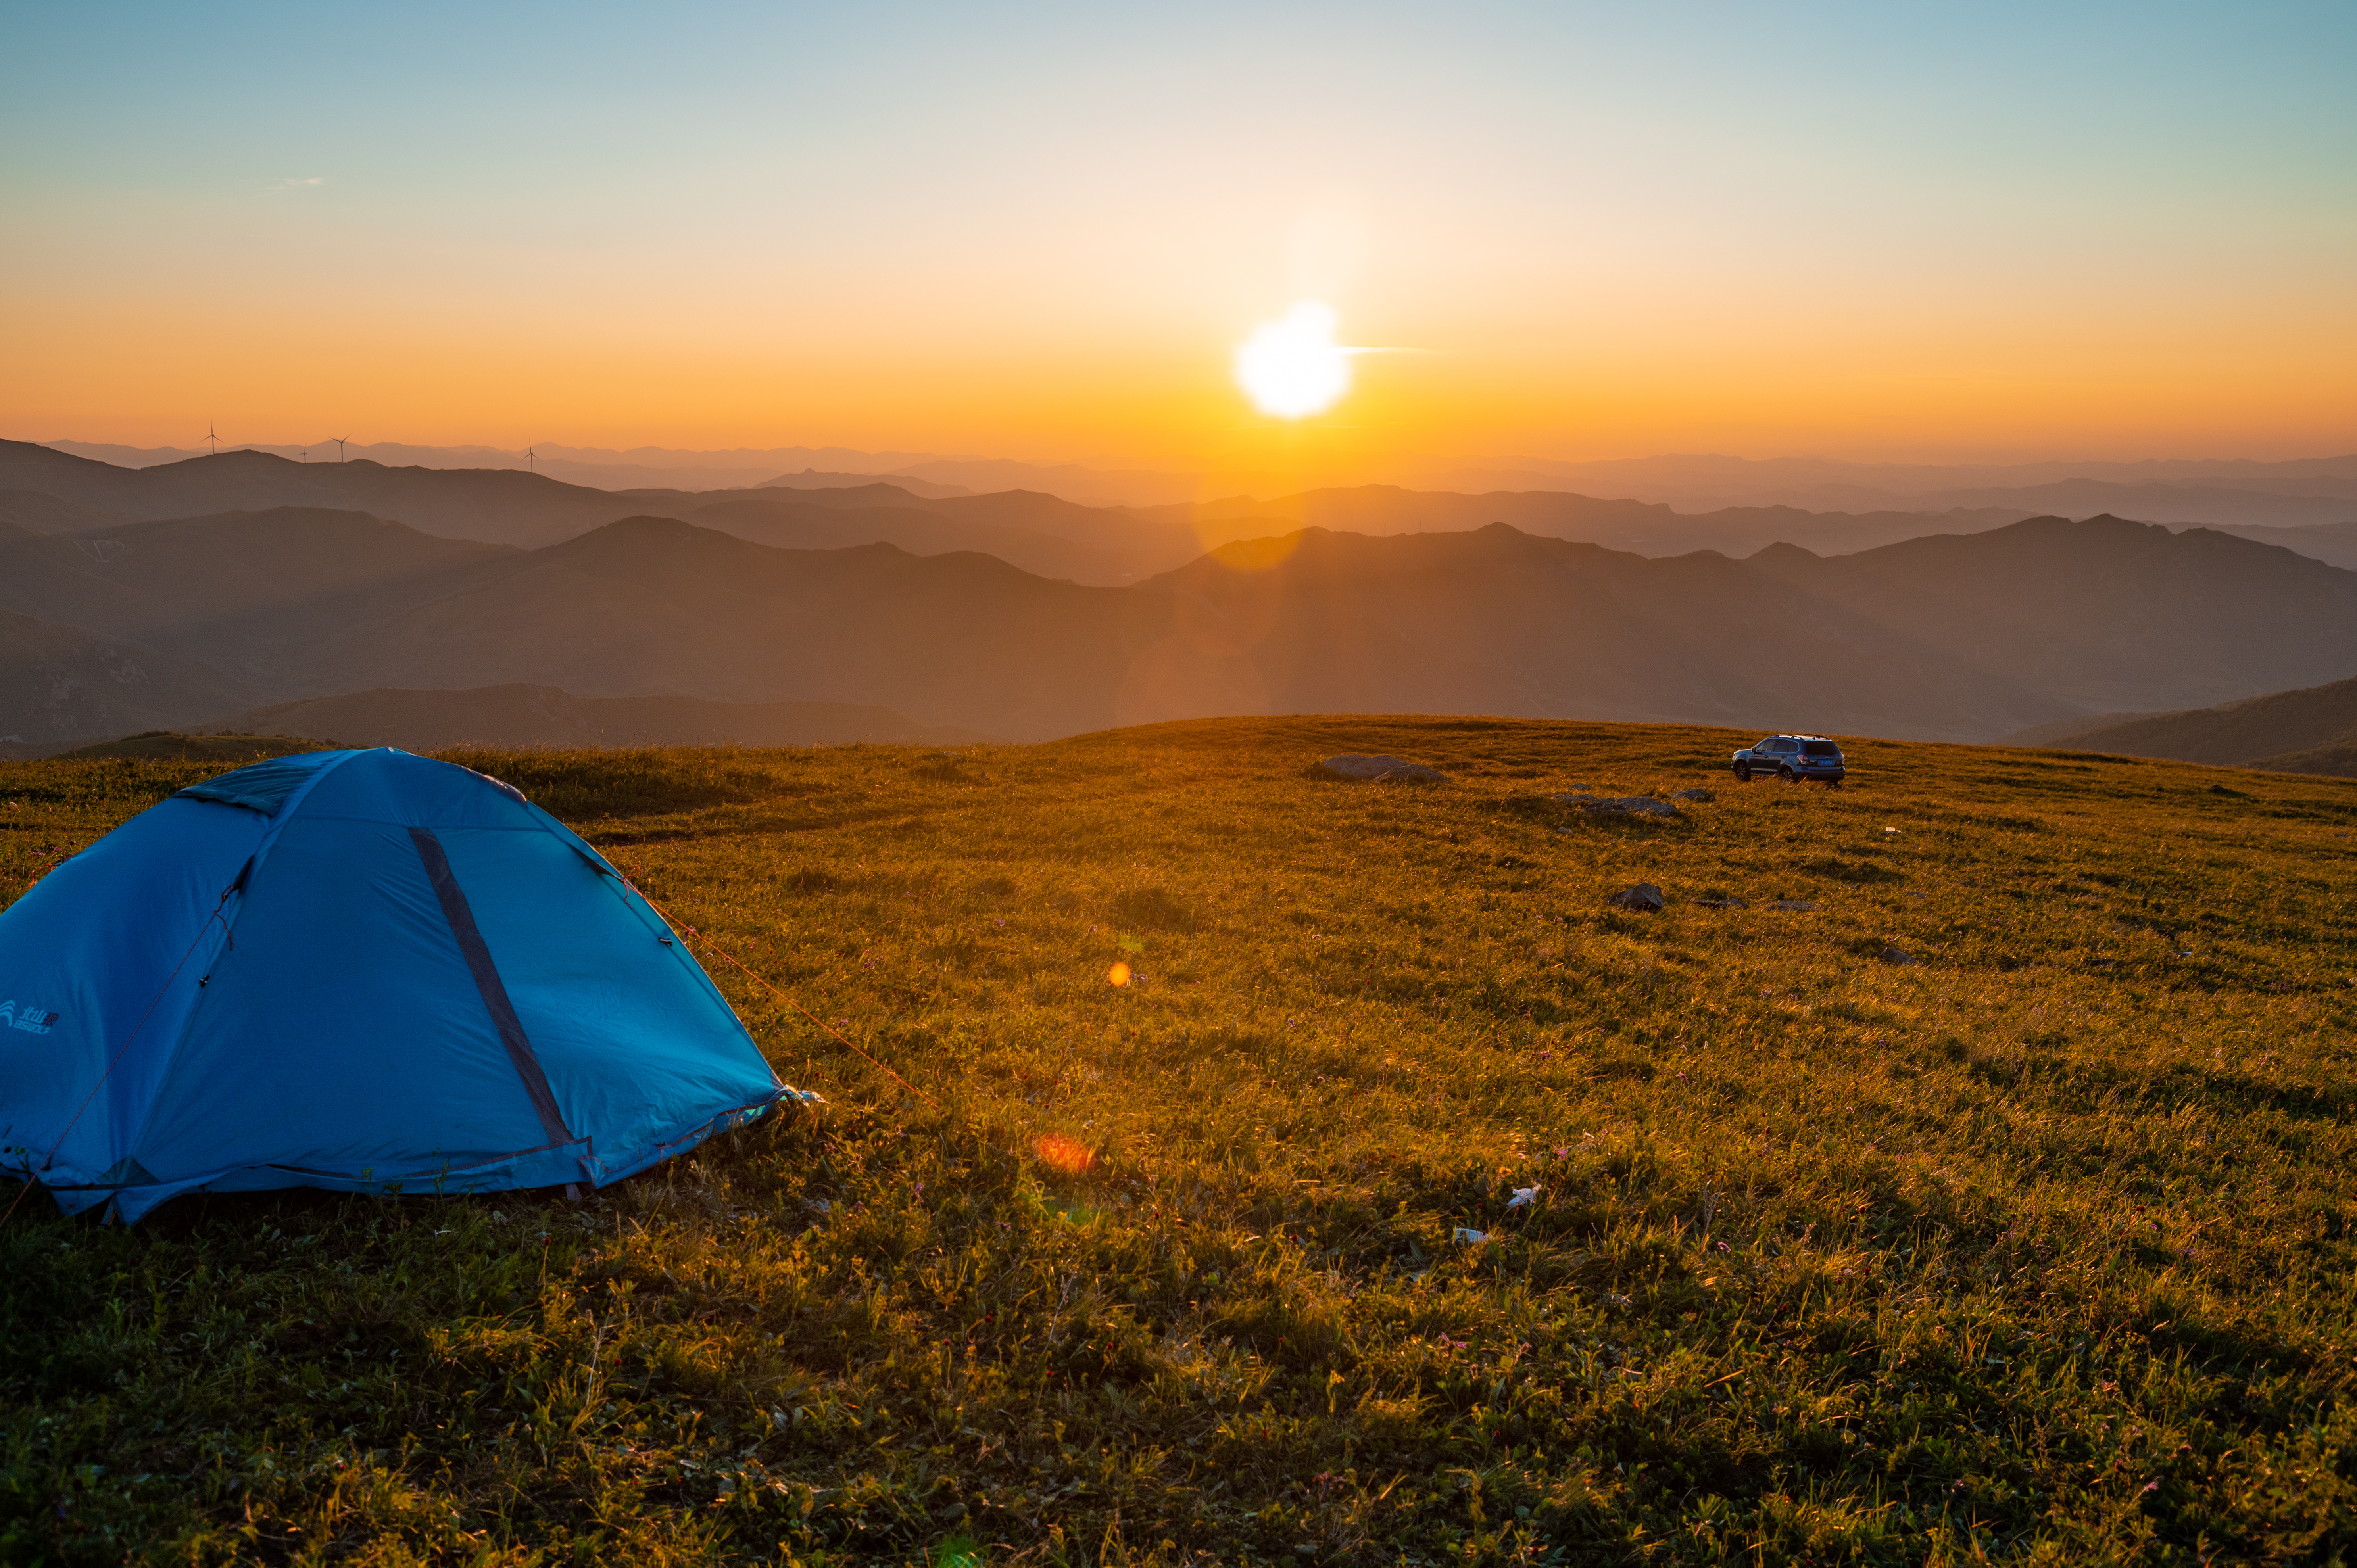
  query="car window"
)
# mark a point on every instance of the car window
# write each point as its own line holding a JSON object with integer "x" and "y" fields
{"x": 1764, "y": 745}
{"x": 1780, "y": 746}
{"x": 1821, "y": 749}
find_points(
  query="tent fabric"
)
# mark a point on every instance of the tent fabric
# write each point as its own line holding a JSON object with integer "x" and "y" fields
{"x": 362, "y": 971}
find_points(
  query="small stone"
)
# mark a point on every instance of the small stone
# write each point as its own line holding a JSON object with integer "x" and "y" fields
{"x": 1644, "y": 896}
{"x": 1801, "y": 905}
{"x": 1694, "y": 795}
{"x": 1720, "y": 903}
{"x": 1367, "y": 769}
{"x": 1897, "y": 955}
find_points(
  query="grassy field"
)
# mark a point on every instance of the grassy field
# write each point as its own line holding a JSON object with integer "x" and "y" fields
{"x": 1990, "y": 1203}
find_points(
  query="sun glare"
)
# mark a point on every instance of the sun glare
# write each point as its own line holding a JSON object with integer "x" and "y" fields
{"x": 1062, "y": 1155}
{"x": 1292, "y": 369}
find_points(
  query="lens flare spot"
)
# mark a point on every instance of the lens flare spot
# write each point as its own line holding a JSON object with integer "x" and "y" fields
{"x": 1062, "y": 1155}
{"x": 1118, "y": 975}
{"x": 1293, "y": 367}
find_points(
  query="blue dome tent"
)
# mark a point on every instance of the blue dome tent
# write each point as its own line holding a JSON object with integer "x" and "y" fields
{"x": 362, "y": 971}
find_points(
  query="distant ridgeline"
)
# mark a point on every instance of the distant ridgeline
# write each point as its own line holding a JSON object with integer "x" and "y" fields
{"x": 2310, "y": 731}
{"x": 429, "y": 608}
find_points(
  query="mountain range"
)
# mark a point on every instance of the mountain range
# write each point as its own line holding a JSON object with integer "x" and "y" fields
{"x": 2231, "y": 491}
{"x": 657, "y": 467}
{"x": 51, "y": 491}
{"x": 2216, "y": 492}
{"x": 1021, "y": 615}
{"x": 2313, "y": 730}
{"x": 1929, "y": 638}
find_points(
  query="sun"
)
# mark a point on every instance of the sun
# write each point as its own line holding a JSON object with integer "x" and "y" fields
{"x": 1293, "y": 369}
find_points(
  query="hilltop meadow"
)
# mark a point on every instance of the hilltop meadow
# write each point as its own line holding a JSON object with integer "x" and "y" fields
{"x": 1958, "y": 1169}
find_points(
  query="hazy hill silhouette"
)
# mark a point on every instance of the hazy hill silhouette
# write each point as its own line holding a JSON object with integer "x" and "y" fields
{"x": 1149, "y": 540}
{"x": 803, "y": 525}
{"x": 1144, "y": 543}
{"x": 1703, "y": 483}
{"x": 2210, "y": 505}
{"x": 2334, "y": 543}
{"x": 2309, "y": 731}
{"x": 1964, "y": 637}
{"x": 656, "y": 607}
{"x": 493, "y": 505}
{"x": 51, "y": 491}
{"x": 2103, "y": 614}
{"x": 1647, "y": 529}
{"x": 241, "y": 592}
{"x": 1491, "y": 621}
{"x": 820, "y": 480}
{"x": 60, "y": 684}
{"x": 1499, "y": 621}
{"x": 511, "y": 506}
{"x": 2219, "y": 493}
{"x": 38, "y": 512}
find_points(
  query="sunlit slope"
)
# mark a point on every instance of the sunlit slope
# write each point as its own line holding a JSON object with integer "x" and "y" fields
{"x": 2308, "y": 731}
{"x": 1978, "y": 1187}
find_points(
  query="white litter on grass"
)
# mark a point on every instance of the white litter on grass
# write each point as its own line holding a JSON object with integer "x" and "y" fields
{"x": 1890, "y": 830}
{"x": 1473, "y": 1238}
{"x": 1523, "y": 1197}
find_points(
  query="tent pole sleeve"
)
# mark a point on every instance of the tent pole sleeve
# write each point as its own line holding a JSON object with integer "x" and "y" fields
{"x": 461, "y": 917}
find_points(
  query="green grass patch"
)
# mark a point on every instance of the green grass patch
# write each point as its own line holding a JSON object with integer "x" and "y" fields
{"x": 2031, "y": 1242}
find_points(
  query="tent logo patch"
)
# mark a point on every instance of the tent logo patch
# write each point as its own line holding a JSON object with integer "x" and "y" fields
{"x": 29, "y": 1018}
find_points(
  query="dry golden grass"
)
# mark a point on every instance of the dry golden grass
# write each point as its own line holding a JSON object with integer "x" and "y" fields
{"x": 2030, "y": 1247}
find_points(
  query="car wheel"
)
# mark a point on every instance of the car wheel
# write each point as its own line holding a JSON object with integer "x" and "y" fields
{"x": 1785, "y": 773}
{"x": 1743, "y": 773}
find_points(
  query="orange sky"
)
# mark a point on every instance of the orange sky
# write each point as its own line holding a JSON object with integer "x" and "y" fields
{"x": 1042, "y": 237}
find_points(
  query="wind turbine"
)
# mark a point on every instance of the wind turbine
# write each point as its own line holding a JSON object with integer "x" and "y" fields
{"x": 213, "y": 438}
{"x": 340, "y": 447}
{"x": 530, "y": 458}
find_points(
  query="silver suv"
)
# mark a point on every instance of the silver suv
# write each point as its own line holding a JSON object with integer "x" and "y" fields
{"x": 1793, "y": 757}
